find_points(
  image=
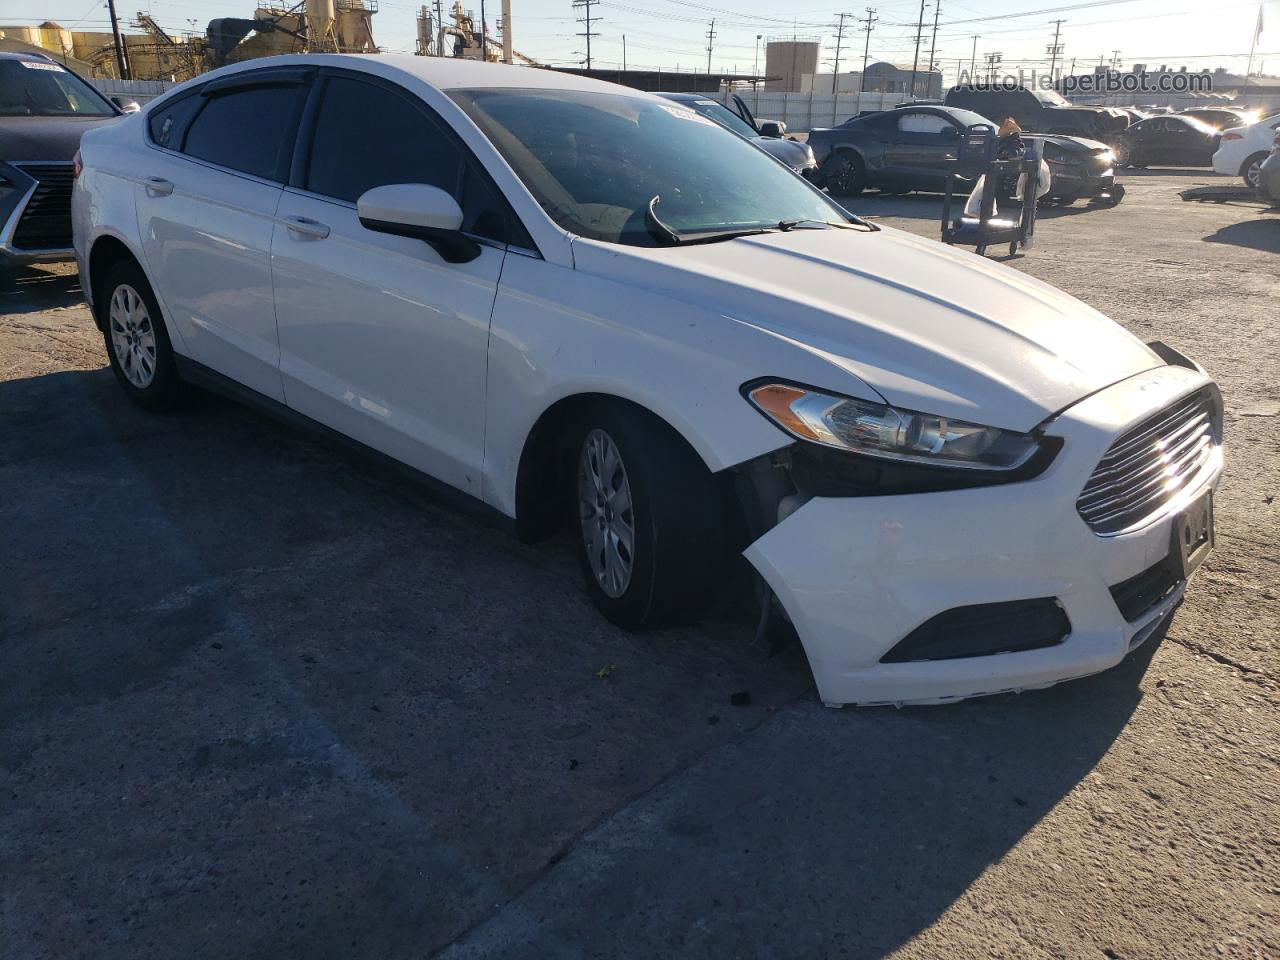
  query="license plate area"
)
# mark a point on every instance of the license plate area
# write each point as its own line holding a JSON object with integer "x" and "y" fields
{"x": 1192, "y": 536}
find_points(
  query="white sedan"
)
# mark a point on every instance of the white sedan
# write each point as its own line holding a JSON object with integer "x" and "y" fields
{"x": 582, "y": 304}
{"x": 1241, "y": 150}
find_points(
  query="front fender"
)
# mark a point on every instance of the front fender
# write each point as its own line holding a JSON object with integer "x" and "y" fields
{"x": 558, "y": 332}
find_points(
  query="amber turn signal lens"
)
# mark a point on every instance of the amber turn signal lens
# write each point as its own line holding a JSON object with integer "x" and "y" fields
{"x": 775, "y": 399}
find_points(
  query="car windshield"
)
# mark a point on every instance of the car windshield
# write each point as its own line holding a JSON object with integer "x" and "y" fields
{"x": 39, "y": 88}
{"x": 722, "y": 115}
{"x": 1051, "y": 98}
{"x": 596, "y": 161}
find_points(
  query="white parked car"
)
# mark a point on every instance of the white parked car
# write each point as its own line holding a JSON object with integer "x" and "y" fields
{"x": 1242, "y": 150}
{"x": 581, "y": 303}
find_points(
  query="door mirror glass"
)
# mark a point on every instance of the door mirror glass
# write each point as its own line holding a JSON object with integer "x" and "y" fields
{"x": 419, "y": 211}
{"x": 126, "y": 104}
{"x": 772, "y": 128}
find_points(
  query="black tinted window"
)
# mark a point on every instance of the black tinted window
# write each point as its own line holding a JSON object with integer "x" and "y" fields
{"x": 168, "y": 123}
{"x": 367, "y": 137}
{"x": 249, "y": 130}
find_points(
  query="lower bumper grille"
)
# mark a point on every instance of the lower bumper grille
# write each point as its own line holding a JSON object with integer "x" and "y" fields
{"x": 1138, "y": 596}
{"x": 46, "y": 219}
{"x": 1149, "y": 465}
{"x": 984, "y": 630}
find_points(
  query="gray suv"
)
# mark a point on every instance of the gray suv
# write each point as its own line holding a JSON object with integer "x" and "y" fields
{"x": 44, "y": 110}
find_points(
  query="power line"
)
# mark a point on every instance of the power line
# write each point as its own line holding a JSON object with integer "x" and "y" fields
{"x": 585, "y": 6}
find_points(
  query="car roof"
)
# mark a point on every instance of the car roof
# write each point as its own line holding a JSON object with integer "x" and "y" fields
{"x": 443, "y": 73}
{"x": 16, "y": 55}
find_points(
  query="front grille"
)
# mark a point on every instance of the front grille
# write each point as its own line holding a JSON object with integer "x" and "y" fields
{"x": 46, "y": 221}
{"x": 1138, "y": 595}
{"x": 1149, "y": 465}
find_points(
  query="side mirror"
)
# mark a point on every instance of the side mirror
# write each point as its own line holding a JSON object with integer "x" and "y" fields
{"x": 772, "y": 128}
{"x": 126, "y": 104}
{"x": 419, "y": 211}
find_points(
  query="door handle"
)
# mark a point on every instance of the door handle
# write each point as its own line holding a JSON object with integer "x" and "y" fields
{"x": 306, "y": 227}
{"x": 158, "y": 186}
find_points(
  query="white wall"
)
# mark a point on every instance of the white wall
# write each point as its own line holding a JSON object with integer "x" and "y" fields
{"x": 140, "y": 90}
{"x": 804, "y": 111}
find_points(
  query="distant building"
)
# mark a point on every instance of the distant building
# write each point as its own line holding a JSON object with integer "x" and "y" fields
{"x": 787, "y": 62}
{"x": 880, "y": 78}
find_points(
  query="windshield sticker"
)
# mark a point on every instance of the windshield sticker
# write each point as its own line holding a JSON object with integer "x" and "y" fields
{"x": 684, "y": 114}
{"x": 40, "y": 65}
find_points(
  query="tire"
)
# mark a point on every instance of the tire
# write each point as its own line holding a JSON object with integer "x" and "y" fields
{"x": 662, "y": 493}
{"x": 136, "y": 339}
{"x": 1249, "y": 170}
{"x": 848, "y": 176}
{"x": 1123, "y": 156}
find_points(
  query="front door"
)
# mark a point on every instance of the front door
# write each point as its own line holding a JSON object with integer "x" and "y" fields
{"x": 206, "y": 205}
{"x": 917, "y": 150}
{"x": 380, "y": 337}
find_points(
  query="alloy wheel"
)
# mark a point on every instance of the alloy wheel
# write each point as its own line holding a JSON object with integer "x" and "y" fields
{"x": 1254, "y": 173}
{"x": 605, "y": 513}
{"x": 133, "y": 336}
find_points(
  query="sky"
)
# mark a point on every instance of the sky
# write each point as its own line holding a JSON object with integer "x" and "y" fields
{"x": 670, "y": 33}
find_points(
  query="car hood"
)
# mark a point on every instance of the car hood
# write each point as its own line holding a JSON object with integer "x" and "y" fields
{"x": 44, "y": 138}
{"x": 790, "y": 152}
{"x": 925, "y": 326}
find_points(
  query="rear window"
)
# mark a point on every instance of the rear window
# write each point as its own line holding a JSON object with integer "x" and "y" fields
{"x": 248, "y": 130}
{"x": 169, "y": 123}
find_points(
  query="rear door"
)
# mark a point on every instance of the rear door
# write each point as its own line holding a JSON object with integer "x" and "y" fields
{"x": 380, "y": 337}
{"x": 206, "y": 200}
{"x": 1187, "y": 144}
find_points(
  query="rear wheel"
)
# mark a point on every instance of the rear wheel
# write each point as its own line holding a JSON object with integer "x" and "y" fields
{"x": 136, "y": 339}
{"x": 848, "y": 175}
{"x": 1251, "y": 170}
{"x": 650, "y": 533}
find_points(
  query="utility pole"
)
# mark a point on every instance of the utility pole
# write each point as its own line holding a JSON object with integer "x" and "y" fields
{"x": 915, "y": 64}
{"x": 835, "y": 73}
{"x": 869, "y": 21}
{"x": 933, "y": 47}
{"x": 992, "y": 60}
{"x": 624, "y": 53}
{"x": 1115, "y": 60}
{"x": 755, "y": 64}
{"x": 122, "y": 59}
{"x": 586, "y": 18}
{"x": 484, "y": 41}
{"x": 1055, "y": 48}
{"x": 973, "y": 60}
{"x": 508, "y": 43}
{"x": 439, "y": 37}
{"x": 711, "y": 41}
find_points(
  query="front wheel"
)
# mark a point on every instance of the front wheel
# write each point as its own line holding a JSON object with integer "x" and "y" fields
{"x": 649, "y": 525}
{"x": 137, "y": 342}
{"x": 1124, "y": 157}
{"x": 848, "y": 176}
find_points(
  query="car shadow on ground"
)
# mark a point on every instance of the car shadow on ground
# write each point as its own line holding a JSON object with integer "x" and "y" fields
{"x": 29, "y": 289}
{"x": 324, "y": 690}
{"x": 1261, "y": 235}
{"x": 1206, "y": 173}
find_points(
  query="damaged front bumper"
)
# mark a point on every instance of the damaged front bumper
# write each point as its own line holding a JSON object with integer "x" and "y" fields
{"x": 859, "y": 576}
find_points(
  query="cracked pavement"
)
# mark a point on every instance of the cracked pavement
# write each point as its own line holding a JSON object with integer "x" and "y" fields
{"x": 264, "y": 697}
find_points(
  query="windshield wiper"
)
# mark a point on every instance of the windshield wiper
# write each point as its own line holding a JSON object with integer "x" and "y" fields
{"x": 854, "y": 224}
{"x": 660, "y": 231}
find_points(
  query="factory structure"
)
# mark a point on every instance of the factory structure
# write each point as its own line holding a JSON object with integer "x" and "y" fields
{"x": 145, "y": 51}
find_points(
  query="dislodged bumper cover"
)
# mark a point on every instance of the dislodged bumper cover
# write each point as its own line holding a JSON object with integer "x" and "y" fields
{"x": 858, "y": 574}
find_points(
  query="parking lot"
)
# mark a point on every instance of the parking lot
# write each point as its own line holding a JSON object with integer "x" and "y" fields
{"x": 261, "y": 696}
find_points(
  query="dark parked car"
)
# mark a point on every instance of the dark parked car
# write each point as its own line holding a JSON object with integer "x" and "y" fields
{"x": 44, "y": 109}
{"x": 908, "y": 149}
{"x": 793, "y": 153}
{"x": 1220, "y": 118}
{"x": 1039, "y": 111}
{"x": 1174, "y": 140}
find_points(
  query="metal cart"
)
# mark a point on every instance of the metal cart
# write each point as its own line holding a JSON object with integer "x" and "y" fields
{"x": 977, "y": 156}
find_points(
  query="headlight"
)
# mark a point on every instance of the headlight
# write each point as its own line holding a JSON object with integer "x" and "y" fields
{"x": 875, "y": 430}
